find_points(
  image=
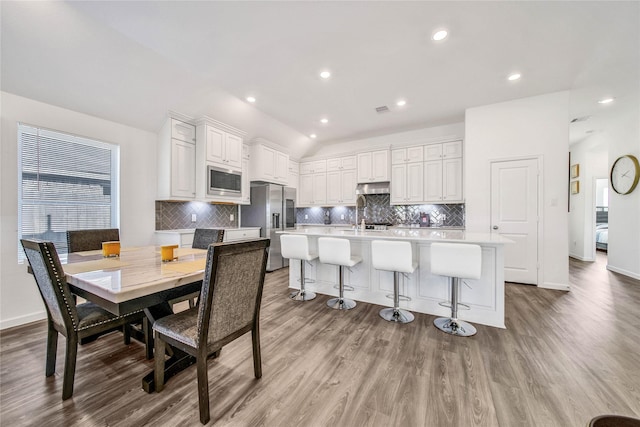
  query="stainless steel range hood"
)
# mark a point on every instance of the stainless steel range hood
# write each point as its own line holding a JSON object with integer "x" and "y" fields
{"x": 373, "y": 188}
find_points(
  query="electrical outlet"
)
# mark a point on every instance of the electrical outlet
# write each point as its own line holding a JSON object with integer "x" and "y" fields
{"x": 231, "y": 217}
{"x": 306, "y": 217}
{"x": 193, "y": 217}
{"x": 342, "y": 216}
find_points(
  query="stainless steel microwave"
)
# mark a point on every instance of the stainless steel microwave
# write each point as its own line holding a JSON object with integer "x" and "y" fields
{"x": 223, "y": 182}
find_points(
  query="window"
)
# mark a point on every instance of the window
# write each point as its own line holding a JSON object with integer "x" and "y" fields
{"x": 65, "y": 182}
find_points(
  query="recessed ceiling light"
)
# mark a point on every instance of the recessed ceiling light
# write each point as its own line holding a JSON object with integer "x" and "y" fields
{"x": 439, "y": 35}
{"x": 324, "y": 121}
{"x": 401, "y": 103}
{"x": 325, "y": 74}
{"x": 313, "y": 135}
{"x": 251, "y": 99}
{"x": 514, "y": 76}
{"x": 606, "y": 101}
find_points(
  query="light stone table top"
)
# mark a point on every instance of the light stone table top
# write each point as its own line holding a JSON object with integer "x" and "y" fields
{"x": 137, "y": 272}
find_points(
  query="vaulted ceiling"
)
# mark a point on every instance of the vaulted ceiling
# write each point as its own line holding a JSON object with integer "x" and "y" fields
{"x": 131, "y": 62}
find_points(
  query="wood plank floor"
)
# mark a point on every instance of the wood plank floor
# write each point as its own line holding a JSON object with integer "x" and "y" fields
{"x": 563, "y": 359}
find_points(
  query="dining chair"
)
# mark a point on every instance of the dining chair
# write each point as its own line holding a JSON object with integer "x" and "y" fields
{"x": 63, "y": 315}
{"x": 229, "y": 308}
{"x": 91, "y": 240}
{"x": 203, "y": 237}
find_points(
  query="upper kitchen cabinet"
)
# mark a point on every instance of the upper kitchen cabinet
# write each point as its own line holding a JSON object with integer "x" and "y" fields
{"x": 315, "y": 166}
{"x": 268, "y": 163}
{"x": 222, "y": 144}
{"x": 445, "y": 150}
{"x": 407, "y": 155}
{"x": 373, "y": 166}
{"x": 341, "y": 163}
{"x": 177, "y": 160}
{"x": 443, "y": 173}
{"x": 294, "y": 174}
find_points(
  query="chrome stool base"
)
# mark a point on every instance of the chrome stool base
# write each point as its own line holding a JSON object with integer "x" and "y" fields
{"x": 455, "y": 326}
{"x": 302, "y": 295}
{"x": 341, "y": 303}
{"x": 396, "y": 315}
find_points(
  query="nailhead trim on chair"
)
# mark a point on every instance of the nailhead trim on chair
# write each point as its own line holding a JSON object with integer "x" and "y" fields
{"x": 58, "y": 282}
{"x": 111, "y": 319}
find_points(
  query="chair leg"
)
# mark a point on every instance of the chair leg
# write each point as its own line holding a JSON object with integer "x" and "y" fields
{"x": 52, "y": 348}
{"x": 158, "y": 371}
{"x": 257, "y": 358}
{"x": 69, "y": 367}
{"x": 203, "y": 387}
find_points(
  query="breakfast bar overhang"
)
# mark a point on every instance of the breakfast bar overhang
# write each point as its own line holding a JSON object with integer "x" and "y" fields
{"x": 425, "y": 291}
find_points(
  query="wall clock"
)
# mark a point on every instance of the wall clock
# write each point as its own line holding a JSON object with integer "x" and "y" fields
{"x": 625, "y": 173}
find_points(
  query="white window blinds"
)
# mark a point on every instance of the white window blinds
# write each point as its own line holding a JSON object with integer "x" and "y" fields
{"x": 65, "y": 183}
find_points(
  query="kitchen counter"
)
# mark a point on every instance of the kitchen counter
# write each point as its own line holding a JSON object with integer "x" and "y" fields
{"x": 391, "y": 227}
{"x": 426, "y": 291}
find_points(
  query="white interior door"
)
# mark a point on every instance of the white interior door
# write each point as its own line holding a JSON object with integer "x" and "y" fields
{"x": 514, "y": 214}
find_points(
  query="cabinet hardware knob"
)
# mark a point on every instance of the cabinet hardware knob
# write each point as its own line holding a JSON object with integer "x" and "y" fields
{"x": 495, "y": 227}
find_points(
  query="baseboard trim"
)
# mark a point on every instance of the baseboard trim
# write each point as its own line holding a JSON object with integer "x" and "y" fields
{"x": 580, "y": 258}
{"x": 556, "y": 286}
{"x": 22, "y": 320}
{"x": 623, "y": 271}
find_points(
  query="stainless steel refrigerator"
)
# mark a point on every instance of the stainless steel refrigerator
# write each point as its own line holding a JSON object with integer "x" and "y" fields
{"x": 272, "y": 208}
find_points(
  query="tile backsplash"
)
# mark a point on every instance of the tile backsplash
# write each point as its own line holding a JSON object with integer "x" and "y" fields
{"x": 177, "y": 215}
{"x": 378, "y": 209}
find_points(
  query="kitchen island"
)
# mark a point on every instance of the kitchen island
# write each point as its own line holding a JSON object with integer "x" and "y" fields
{"x": 484, "y": 296}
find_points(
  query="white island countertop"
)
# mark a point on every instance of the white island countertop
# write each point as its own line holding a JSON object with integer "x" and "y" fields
{"x": 410, "y": 234}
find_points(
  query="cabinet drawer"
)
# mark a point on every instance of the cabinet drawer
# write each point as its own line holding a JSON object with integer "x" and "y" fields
{"x": 186, "y": 240}
{"x": 240, "y": 234}
{"x": 183, "y": 131}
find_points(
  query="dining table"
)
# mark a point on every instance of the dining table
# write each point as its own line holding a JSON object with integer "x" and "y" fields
{"x": 138, "y": 279}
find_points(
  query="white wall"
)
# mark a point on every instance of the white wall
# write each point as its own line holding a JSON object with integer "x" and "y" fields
{"x": 536, "y": 126}
{"x": 19, "y": 298}
{"x": 624, "y": 211}
{"x": 414, "y": 137}
{"x": 591, "y": 155}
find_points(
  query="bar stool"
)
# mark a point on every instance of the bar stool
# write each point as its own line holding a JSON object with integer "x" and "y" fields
{"x": 394, "y": 256}
{"x": 456, "y": 261}
{"x": 297, "y": 247}
{"x": 338, "y": 252}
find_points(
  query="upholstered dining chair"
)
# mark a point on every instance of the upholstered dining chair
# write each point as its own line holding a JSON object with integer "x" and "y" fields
{"x": 63, "y": 315}
{"x": 203, "y": 237}
{"x": 90, "y": 240}
{"x": 229, "y": 308}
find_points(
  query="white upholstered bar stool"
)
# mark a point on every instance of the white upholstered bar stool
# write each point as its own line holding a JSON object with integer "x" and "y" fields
{"x": 297, "y": 247}
{"x": 338, "y": 252}
{"x": 394, "y": 256}
{"x": 456, "y": 261}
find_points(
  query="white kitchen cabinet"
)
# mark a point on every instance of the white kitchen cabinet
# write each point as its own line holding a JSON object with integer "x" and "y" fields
{"x": 407, "y": 183}
{"x": 444, "y": 150}
{"x": 245, "y": 233}
{"x": 407, "y": 155}
{"x": 443, "y": 181}
{"x": 341, "y": 163}
{"x": 373, "y": 166}
{"x": 341, "y": 188}
{"x": 313, "y": 190}
{"x": 182, "y": 238}
{"x": 176, "y": 161}
{"x": 222, "y": 148}
{"x": 315, "y": 166}
{"x": 294, "y": 174}
{"x": 246, "y": 184}
{"x": 268, "y": 164}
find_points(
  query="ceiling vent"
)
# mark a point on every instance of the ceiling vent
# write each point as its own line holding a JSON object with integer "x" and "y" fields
{"x": 383, "y": 109}
{"x": 580, "y": 119}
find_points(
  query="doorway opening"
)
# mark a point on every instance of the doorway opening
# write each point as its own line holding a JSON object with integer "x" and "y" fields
{"x": 602, "y": 216}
